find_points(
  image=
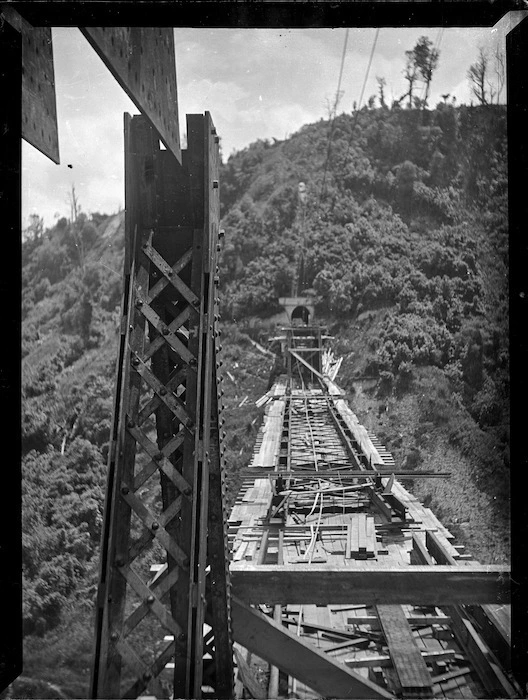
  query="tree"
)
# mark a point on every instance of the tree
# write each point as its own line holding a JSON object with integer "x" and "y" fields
{"x": 426, "y": 61}
{"x": 77, "y": 221}
{"x": 500, "y": 70}
{"x": 75, "y": 207}
{"x": 36, "y": 227}
{"x": 410, "y": 74}
{"x": 331, "y": 106}
{"x": 477, "y": 76}
{"x": 381, "y": 88}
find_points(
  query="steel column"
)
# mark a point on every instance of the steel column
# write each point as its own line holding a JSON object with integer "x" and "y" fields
{"x": 166, "y": 438}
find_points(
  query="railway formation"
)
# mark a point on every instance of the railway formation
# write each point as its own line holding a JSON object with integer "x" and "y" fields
{"x": 322, "y": 494}
{"x": 328, "y": 577}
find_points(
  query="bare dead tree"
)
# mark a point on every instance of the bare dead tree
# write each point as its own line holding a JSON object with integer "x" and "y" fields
{"x": 478, "y": 77}
{"x": 75, "y": 210}
{"x": 75, "y": 207}
{"x": 410, "y": 73}
{"x": 500, "y": 70}
{"x": 381, "y": 89}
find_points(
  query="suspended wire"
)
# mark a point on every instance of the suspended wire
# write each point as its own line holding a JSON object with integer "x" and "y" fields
{"x": 323, "y": 188}
{"x": 334, "y": 111}
{"x": 368, "y": 71}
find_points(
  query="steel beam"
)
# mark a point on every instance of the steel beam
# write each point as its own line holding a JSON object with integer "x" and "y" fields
{"x": 39, "y": 104}
{"x": 141, "y": 59}
{"x": 370, "y": 585}
{"x": 301, "y": 660}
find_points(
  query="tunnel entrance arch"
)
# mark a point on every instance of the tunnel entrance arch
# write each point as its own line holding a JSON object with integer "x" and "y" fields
{"x": 300, "y": 314}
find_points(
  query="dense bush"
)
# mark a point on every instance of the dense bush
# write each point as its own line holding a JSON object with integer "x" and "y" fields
{"x": 401, "y": 238}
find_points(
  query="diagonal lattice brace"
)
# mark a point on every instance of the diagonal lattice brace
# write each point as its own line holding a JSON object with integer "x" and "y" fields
{"x": 169, "y": 272}
{"x": 168, "y": 398}
{"x": 166, "y": 333}
{"x": 166, "y": 371}
{"x": 160, "y": 590}
{"x": 160, "y": 461}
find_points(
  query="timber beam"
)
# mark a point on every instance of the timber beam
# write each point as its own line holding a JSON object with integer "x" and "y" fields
{"x": 298, "y": 584}
{"x": 299, "y": 659}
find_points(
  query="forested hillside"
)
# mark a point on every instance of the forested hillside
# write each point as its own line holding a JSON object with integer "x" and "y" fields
{"x": 401, "y": 239}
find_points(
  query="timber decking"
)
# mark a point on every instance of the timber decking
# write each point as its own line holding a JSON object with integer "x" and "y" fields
{"x": 352, "y": 524}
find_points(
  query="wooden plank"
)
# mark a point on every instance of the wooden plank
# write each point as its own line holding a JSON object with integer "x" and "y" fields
{"x": 247, "y": 676}
{"x": 438, "y": 550}
{"x": 495, "y": 626}
{"x": 306, "y": 364}
{"x": 348, "y": 548}
{"x": 475, "y": 648}
{"x": 381, "y": 504}
{"x": 296, "y": 657}
{"x": 362, "y": 533}
{"x": 354, "y": 535}
{"x": 383, "y": 660}
{"x": 371, "y": 585}
{"x": 410, "y": 666}
{"x": 443, "y": 677}
{"x": 360, "y": 643}
{"x": 142, "y": 61}
{"x": 411, "y": 619}
{"x": 371, "y": 536}
{"x": 419, "y": 552}
{"x": 481, "y": 657}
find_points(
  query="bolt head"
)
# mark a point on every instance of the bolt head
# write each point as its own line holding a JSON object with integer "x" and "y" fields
{"x": 155, "y": 526}
{"x": 114, "y": 636}
{"x": 125, "y": 490}
{"x": 150, "y": 599}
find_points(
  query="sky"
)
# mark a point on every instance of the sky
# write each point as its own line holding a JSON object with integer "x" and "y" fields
{"x": 257, "y": 84}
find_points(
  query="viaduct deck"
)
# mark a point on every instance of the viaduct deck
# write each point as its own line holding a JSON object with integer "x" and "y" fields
{"x": 323, "y": 493}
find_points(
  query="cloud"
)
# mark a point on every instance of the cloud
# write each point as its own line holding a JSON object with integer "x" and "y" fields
{"x": 257, "y": 83}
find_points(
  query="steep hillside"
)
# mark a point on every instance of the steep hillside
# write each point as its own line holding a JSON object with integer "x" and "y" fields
{"x": 401, "y": 239}
{"x": 70, "y": 306}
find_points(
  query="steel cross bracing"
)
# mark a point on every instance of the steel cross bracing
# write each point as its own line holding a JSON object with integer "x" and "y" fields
{"x": 166, "y": 473}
